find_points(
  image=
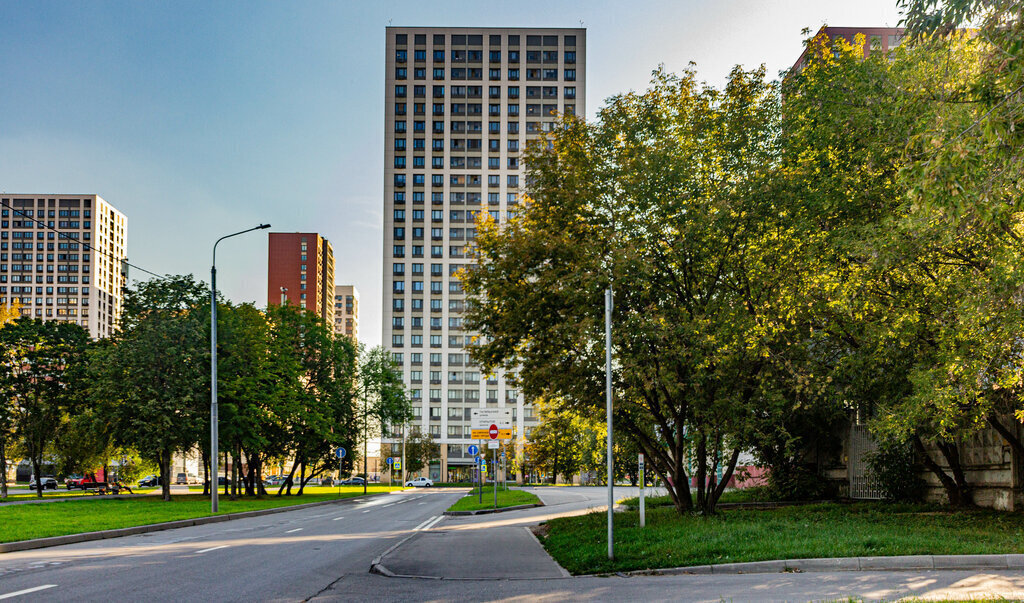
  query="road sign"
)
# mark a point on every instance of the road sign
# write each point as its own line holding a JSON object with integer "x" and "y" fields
{"x": 398, "y": 465}
{"x": 492, "y": 431}
{"x": 502, "y": 454}
{"x": 484, "y": 420}
{"x": 340, "y": 453}
{"x": 493, "y": 444}
{"x": 483, "y": 465}
{"x": 391, "y": 459}
{"x": 473, "y": 449}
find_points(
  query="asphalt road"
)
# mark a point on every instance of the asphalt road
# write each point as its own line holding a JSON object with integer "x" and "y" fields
{"x": 324, "y": 554}
{"x": 286, "y": 556}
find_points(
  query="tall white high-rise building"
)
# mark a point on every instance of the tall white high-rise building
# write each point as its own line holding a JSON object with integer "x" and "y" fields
{"x": 62, "y": 258}
{"x": 460, "y": 106}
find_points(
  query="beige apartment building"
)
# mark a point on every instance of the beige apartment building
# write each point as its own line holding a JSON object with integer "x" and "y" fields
{"x": 461, "y": 104}
{"x": 62, "y": 257}
{"x": 346, "y": 311}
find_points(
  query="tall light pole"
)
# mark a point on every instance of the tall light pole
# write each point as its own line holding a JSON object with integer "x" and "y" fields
{"x": 214, "y": 433}
{"x": 608, "y": 301}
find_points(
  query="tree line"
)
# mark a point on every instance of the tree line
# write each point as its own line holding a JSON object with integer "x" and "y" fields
{"x": 289, "y": 389}
{"x": 784, "y": 254}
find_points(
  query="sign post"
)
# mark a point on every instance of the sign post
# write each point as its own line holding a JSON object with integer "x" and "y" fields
{"x": 473, "y": 450}
{"x": 340, "y": 453}
{"x": 640, "y": 459}
{"x": 491, "y": 424}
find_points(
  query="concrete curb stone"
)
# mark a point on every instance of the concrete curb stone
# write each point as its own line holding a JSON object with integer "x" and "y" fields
{"x": 840, "y": 564}
{"x": 487, "y": 511}
{"x": 39, "y": 543}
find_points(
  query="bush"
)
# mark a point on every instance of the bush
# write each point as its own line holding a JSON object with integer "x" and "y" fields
{"x": 897, "y": 471}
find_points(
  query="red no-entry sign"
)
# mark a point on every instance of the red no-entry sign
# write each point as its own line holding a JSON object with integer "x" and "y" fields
{"x": 493, "y": 432}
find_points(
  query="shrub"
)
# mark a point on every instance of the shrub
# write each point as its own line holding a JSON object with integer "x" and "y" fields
{"x": 896, "y": 469}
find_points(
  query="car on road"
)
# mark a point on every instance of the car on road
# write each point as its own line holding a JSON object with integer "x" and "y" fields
{"x": 149, "y": 481}
{"x": 187, "y": 479}
{"x": 419, "y": 482}
{"x": 353, "y": 481}
{"x": 48, "y": 483}
{"x": 73, "y": 481}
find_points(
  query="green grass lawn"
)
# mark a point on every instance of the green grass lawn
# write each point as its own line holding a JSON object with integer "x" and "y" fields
{"x": 506, "y": 498}
{"x": 746, "y": 495}
{"x": 822, "y": 530}
{"x": 22, "y": 522}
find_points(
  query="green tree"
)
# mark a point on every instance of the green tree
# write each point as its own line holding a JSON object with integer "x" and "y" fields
{"x": 420, "y": 450}
{"x": 153, "y": 383}
{"x": 668, "y": 197}
{"x": 383, "y": 398}
{"x": 40, "y": 371}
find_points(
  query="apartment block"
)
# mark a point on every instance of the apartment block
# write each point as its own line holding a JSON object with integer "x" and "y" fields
{"x": 876, "y": 39}
{"x": 62, "y": 257}
{"x": 346, "y": 311}
{"x": 300, "y": 271}
{"x": 461, "y": 104}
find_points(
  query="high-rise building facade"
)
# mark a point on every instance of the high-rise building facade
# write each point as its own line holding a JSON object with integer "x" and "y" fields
{"x": 876, "y": 39}
{"x": 460, "y": 106}
{"x": 300, "y": 271}
{"x": 62, "y": 257}
{"x": 346, "y": 311}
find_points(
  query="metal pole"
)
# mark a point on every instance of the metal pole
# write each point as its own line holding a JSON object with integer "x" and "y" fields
{"x": 643, "y": 521}
{"x": 608, "y": 300}
{"x": 366, "y": 473}
{"x": 403, "y": 454}
{"x": 213, "y": 384}
{"x": 214, "y": 434}
{"x": 494, "y": 459}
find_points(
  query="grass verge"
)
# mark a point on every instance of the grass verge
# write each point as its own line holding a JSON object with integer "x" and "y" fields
{"x": 746, "y": 495}
{"x": 822, "y": 530}
{"x": 506, "y": 498}
{"x": 24, "y": 522}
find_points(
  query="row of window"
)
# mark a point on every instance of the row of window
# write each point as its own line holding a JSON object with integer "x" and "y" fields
{"x": 436, "y": 251}
{"x": 456, "y": 198}
{"x": 493, "y": 92}
{"x": 474, "y": 56}
{"x": 49, "y": 290}
{"x": 457, "y": 396}
{"x": 454, "y": 215}
{"x": 494, "y": 75}
{"x": 454, "y": 341}
{"x": 42, "y": 213}
{"x": 472, "y": 127}
{"x": 457, "y": 179}
{"x": 478, "y": 40}
{"x": 27, "y": 278}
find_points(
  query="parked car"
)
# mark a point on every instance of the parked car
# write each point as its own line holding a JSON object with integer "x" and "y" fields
{"x": 73, "y": 481}
{"x": 353, "y": 481}
{"x": 186, "y": 478}
{"x": 48, "y": 483}
{"x": 313, "y": 481}
{"x": 419, "y": 482}
{"x": 149, "y": 481}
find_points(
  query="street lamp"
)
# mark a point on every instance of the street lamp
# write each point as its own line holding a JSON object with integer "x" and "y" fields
{"x": 213, "y": 367}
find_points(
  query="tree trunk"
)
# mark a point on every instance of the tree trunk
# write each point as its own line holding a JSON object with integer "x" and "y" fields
{"x": 165, "y": 474}
{"x": 715, "y": 493}
{"x": 36, "y": 462}
{"x": 286, "y": 487}
{"x": 302, "y": 479}
{"x": 3, "y": 468}
{"x": 956, "y": 495}
{"x": 206, "y": 471}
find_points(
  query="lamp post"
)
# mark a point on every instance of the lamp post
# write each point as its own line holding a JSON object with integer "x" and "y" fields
{"x": 608, "y": 304}
{"x": 214, "y": 434}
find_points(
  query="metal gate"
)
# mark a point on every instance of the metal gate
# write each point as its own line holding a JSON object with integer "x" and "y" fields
{"x": 862, "y": 483}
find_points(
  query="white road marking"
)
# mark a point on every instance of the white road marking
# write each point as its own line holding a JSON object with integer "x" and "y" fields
{"x": 27, "y": 591}
{"x": 387, "y": 505}
{"x": 295, "y": 530}
{"x": 433, "y": 523}
{"x": 422, "y": 503}
{"x": 367, "y": 511}
{"x": 428, "y": 520}
{"x": 223, "y": 546}
{"x": 337, "y": 518}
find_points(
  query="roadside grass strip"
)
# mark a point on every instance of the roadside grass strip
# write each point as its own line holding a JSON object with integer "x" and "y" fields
{"x": 506, "y": 498}
{"x": 579, "y": 544}
{"x": 25, "y": 522}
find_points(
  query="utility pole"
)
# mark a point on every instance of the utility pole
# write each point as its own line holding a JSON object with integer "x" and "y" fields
{"x": 608, "y": 301}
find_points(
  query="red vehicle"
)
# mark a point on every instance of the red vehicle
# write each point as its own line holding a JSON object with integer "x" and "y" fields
{"x": 78, "y": 481}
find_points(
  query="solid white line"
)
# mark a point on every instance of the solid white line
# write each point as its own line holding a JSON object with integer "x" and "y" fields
{"x": 428, "y": 520}
{"x": 27, "y": 591}
{"x": 387, "y": 505}
{"x": 223, "y": 546}
{"x": 367, "y": 511}
{"x": 337, "y": 518}
{"x": 295, "y": 530}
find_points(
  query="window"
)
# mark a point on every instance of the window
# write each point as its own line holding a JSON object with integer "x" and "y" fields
{"x": 401, "y": 73}
{"x": 400, "y": 91}
{"x": 570, "y": 92}
{"x": 513, "y": 180}
{"x": 495, "y": 56}
{"x": 419, "y": 55}
{"x": 397, "y": 340}
{"x": 398, "y": 251}
{"x": 398, "y": 304}
{"x": 419, "y": 91}
{"x": 399, "y": 126}
{"x": 513, "y": 74}
{"x": 570, "y": 75}
{"x": 439, "y": 56}
{"x": 438, "y": 75}
{"x": 513, "y": 109}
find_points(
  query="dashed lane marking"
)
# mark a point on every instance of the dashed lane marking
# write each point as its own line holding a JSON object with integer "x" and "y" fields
{"x": 212, "y": 548}
{"x": 295, "y": 530}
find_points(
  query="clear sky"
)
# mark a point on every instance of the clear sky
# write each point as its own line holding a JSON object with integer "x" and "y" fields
{"x": 198, "y": 119}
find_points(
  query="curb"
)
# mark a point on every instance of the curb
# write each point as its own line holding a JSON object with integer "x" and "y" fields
{"x": 39, "y": 543}
{"x": 1007, "y": 561}
{"x": 488, "y": 511}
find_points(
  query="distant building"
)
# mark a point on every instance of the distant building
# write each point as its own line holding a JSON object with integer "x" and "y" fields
{"x": 876, "y": 39}
{"x": 62, "y": 257}
{"x": 346, "y": 311}
{"x": 300, "y": 271}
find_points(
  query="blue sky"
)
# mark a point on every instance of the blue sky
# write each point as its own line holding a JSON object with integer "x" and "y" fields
{"x": 198, "y": 119}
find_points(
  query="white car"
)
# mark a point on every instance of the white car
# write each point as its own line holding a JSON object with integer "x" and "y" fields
{"x": 419, "y": 482}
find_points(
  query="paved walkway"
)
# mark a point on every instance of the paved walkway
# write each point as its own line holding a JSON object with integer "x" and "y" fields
{"x": 468, "y": 557}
